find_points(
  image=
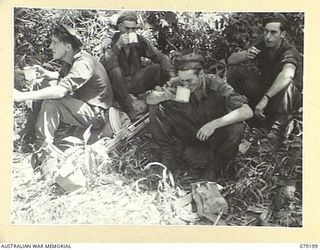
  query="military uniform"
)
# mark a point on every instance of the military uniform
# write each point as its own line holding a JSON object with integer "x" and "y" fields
{"x": 172, "y": 121}
{"x": 254, "y": 84}
{"x": 125, "y": 69}
{"x": 90, "y": 95}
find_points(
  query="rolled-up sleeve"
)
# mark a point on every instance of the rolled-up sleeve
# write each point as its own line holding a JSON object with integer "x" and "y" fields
{"x": 78, "y": 75}
{"x": 235, "y": 101}
{"x": 291, "y": 56}
{"x": 219, "y": 85}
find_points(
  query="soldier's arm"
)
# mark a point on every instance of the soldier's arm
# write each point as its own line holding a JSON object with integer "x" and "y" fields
{"x": 243, "y": 56}
{"x": 283, "y": 80}
{"x": 237, "y": 115}
{"x": 157, "y": 57}
{"x": 52, "y": 92}
{"x": 78, "y": 75}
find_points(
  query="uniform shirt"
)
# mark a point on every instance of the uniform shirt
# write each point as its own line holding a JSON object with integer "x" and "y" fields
{"x": 130, "y": 61}
{"x": 87, "y": 80}
{"x": 212, "y": 100}
{"x": 271, "y": 67}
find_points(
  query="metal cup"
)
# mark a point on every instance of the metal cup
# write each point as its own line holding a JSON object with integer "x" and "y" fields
{"x": 30, "y": 73}
{"x": 133, "y": 38}
{"x": 182, "y": 94}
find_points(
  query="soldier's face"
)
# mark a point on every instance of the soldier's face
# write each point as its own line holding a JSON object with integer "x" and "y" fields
{"x": 189, "y": 79}
{"x": 127, "y": 26}
{"x": 273, "y": 35}
{"x": 59, "y": 49}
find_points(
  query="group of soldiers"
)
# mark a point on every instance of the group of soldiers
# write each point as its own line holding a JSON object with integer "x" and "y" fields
{"x": 212, "y": 119}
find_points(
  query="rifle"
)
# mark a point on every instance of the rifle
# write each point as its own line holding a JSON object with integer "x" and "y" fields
{"x": 127, "y": 132}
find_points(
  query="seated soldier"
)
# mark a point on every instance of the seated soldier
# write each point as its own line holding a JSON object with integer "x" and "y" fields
{"x": 272, "y": 90}
{"x": 212, "y": 119}
{"x": 123, "y": 63}
{"x": 81, "y": 94}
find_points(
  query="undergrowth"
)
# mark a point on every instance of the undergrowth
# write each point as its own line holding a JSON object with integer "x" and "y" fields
{"x": 130, "y": 186}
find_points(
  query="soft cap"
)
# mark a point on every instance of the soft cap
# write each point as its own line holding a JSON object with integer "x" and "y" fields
{"x": 189, "y": 61}
{"x": 276, "y": 17}
{"x": 127, "y": 16}
{"x": 73, "y": 33}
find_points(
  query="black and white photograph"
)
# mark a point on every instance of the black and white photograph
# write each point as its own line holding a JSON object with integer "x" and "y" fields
{"x": 140, "y": 117}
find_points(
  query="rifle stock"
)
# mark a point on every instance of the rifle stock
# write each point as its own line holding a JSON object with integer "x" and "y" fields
{"x": 127, "y": 133}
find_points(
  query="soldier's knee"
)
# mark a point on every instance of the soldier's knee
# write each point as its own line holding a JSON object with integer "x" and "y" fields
{"x": 52, "y": 105}
{"x": 236, "y": 132}
{"x": 49, "y": 103}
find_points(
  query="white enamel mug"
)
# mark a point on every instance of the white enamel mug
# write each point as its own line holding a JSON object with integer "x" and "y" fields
{"x": 182, "y": 94}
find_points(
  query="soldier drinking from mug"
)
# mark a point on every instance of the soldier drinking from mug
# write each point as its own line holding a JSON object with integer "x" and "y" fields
{"x": 123, "y": 63}
{"x": 211, "y": 119}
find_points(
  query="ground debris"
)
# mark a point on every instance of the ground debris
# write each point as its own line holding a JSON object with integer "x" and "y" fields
{"x": 125, "y": 191}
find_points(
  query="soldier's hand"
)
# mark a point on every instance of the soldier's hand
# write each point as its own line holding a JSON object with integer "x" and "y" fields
{"x": 41, "y": 72}
{"x": 46, "y": 74}
{"x": 123, "y": 40}
{"x": 206, "y": 131}
{"x": 252, "y": 52}
{"x": 259, "y": 109}
{"x": 160, "y": 94}
{"x": 170, "y": 93}
{"x": 174, "y": 82}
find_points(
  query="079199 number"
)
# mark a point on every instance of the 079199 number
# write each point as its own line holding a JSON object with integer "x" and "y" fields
{"x": 308, "y": 246}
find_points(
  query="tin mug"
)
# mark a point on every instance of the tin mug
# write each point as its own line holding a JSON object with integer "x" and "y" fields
{"x": 182, "y": 94}
{"x": 30, "y": 73}
{"x": 133, "y": 38}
